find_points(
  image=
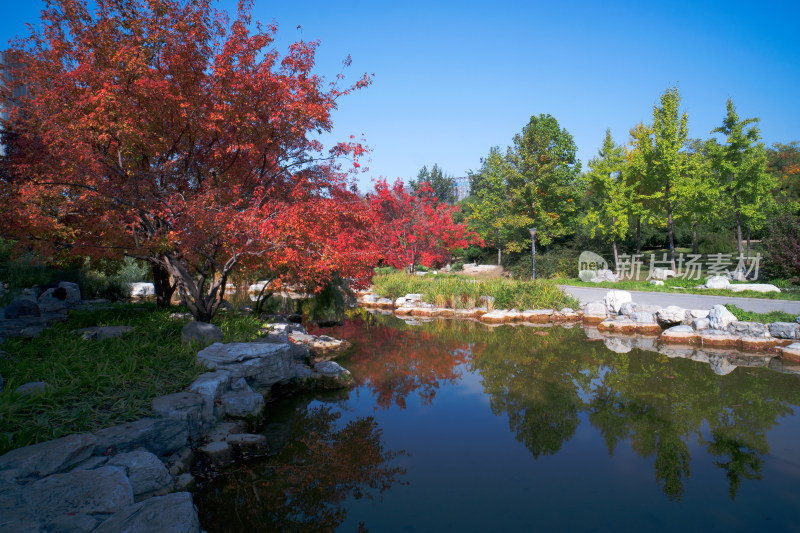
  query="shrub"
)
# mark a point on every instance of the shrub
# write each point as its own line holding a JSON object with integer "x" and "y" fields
{"x": 781, "y": 245}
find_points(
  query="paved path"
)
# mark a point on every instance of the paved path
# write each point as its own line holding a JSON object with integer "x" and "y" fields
{"x": 688, "y": 301}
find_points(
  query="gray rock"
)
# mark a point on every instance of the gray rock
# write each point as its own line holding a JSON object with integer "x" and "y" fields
{"x": 33, "y": 388}
{"x": 750, "y": 329}
{"x": 103, "y": 332}
{"x": 785, "y": 330}
{"x": 211, "y": 383}
{"x": 643, "y": 317}
{"x": 718, "y": 282}
{"x": 720, "y": 365}
{"x": 670, "y": 316}
{"x": 604, "y": 275}
{"x": 737, "y": 275}
{"x": 147, "y": 475}
{"x": 719, "y": 317}
{"x": 618, "y": 344}
{"x": 53, "y": 300}
{"x": 248, "y": 442}
{"x": 73, "y": 298}
{"x": 185, "y": 481}
{"x": 219, "y": 453}
{"x": 699, "y": 313}
{"x": 239, "y": 385}
{"x": 201, "y": 332}
{"x": 172, "y": 513}
{"x": 333, "y": 375}
{"x": 262, "y": 363}
{"x": 614, "y": 300}
{"x": 49, "y": 457}
{"x": 662, "y": 274}
{"x": 22, "y": 307}
{"x": 16, "y": 515}
{"x": 77, "y": 523}
{"x": 628, "y": 308}
{"x": 241, "y": 404}
{"x": 757, "y": 287}
{"x": 160, "y": 436}
{"x": 180, "y": 461}
{"x": 195, "y": 410}
{"x": 595, "y": 310}
{"x": 102, "y": 491}
{"x": 95, "y": 461}
{"x": 680, "y": 329}
{"x": 700, "y": 323}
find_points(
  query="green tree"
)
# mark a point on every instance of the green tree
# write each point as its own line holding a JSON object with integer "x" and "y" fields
{"x": 544, "y": 181}
{"x": 667, "y": 162}
{"x": 783, "y": 161}
{"x": 740, "y": 165}
{"x": 702, "y": 193}
{"x": 441, "y": 183}
{"x": 637, "y": 178}
{"x": 608, "y": 196}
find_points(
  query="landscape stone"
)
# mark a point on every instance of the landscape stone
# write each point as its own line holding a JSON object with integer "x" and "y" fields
{"x": 211, "y": 383}
{"x": 321, "y": 347}
{"x": 95, "y": 461}
{"x": 628, "y": 308}
{"x": 76, "y": 523}
{"x": 146, "y": 473}
{"x": 604, "y": 275}
{"x": 785, "y": 330}
{"x": 103, "y": 332}
{"x": 718, "y": 282}
{"x": 700, "y": 323}
{"x": 679, "y": 334}
{"x": 670, "y": 316}
{"x": 49, "y": 457}
{"x": 262, "y": 363}
{"x": 218, "y": 453}
{"x": 184, "y": 482}
{"x": 180, "y": 461}
{"x": 240, "y": 384}
{"x": 720, "y": 365}
{"x": 222, "y": 430}
{"x": 105, "y": 490}
{"x": 201, "y": 332}
{"x": 618, "y": 344}
{"x": 333, "y": 375}
{"x": 614, "y": 300}
{"x": 662, "y": 274}
{"x": 247, "y": 442}
{"x": 750, "y": 329}
{"x": 195, "y": 410}
{"x": 757, "y": 287}
{"x": 793, "y": 350}
{"x": 595, "y": 312}
{"x": 737, "y": 275}
{"x": 53, "y": 299}
{"x": 656, "y": 282}
{"x": 172, "y": 513}
{"x": 22, "y": 307}
{"x": 719, "y": 317}
{"x": 73, "y": 298}
{"x": 160, "y": 436}
{"x": 241, "y": 404}
{"x": 699, "y": 313}
{"x": 33, "y": 388}
{"x": 718, "y": 338}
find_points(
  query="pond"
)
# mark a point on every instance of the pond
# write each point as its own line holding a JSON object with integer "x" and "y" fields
{"x": 456, "y": 426}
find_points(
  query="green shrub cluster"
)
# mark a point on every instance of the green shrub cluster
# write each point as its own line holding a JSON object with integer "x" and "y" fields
{"x": 461, "y": 293}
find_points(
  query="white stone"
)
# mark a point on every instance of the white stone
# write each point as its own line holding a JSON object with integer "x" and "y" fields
{"x": 756, "y": 287}
{"x": 656, "y": 282}
{"x": 699, "y": 313}
{"x": 718, "y": 282}
{"x": 662, "y": 273}
{"x": 595, "y": 310}
{"x": 719, "y": 317}
{"x": 604, "y": 275}
{"x": 618, "y": 344}
{"x": 700, "y": 323}
{"x": 793, "y": 349}
{"x": 211, "y": 383}
{"x": 670, "y": 315}
{"x": 615, "y": 299}
{"x": 414, "y": 297}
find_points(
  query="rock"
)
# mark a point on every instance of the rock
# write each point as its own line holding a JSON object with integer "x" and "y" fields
{"x": 618, "y": 344}
{"x": 241, "y": 404}
{"x": 76, "y": 523}
{"x": 195, "y": 410}
{"x": 414, "y": 297}
{"x": 737, "y": 275}
{"x": 614, "y": 300}
{"x": 142, "y": 290}
{"x": 720, "y": 365}
{"x": 680, "y": 335}
{"x": 95, "y": 461}
{"x": 201, "y": 332}
{"x": 53, "y": 299}
{"x": 719, "y": 317}
{"x": 160, "y": 436}
{"x": 400, "y": 301}
{"x": 657, "y": 282}
{"x": 662, "y": 274}
{"x": 218, "y": 453}
{"x": 793, "y": 350}
{"x": 321, "y": 347}
{"x": 2, "y": 383}
{"x": 594, "y": 312}
{"x": 73, "y": 293}
{"x": 262, "y": 363}
{"x": 22, "y": 307}
{"x": 33, "y": 388}
{"x": 617, "y": 325}
{"x": 184, "y": 482}
{"x": 699, "y": 313}
{"x": 757, "y": 287}
{"x": 248, "y": 443}
{"x": 49, "y": 457}
{"x": 785, "y": 330}
{"x": 180, "y": 461}
{"x": 495, "y": 317}
{"x": 223, "y": 429}
{"x": 717, "y": 282}
{"x": 211, "y": 383}
{"x": 700, "y": 324}
{"x": 147, "y": 475}
{"x": 102, "y": 491}
{"x": 172, "y": 513}
{"x": 646, "y": 323}
{"x": 628, "y": 308}
{"x": 718, "y": 338}
{"x": 670, "y": 316}
{"x": 749, "y": 329}
{"x": 333, "y": 375}
{"x": 103, "y": 332}
{"x": 604, "y": 275}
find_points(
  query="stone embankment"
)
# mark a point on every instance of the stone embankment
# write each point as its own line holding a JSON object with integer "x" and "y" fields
{"x": 617, "y": 315}
{"x": 135, "y": 477}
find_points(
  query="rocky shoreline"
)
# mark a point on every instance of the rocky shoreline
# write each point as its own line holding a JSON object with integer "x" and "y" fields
{"x": 136, "y": 476}
{"x": 618, "y": 315}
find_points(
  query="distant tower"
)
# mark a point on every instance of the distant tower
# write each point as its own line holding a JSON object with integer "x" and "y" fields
{"x": 460, "y": 188}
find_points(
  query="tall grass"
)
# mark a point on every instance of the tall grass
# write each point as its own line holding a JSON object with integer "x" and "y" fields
{"x": 462, "y": 293}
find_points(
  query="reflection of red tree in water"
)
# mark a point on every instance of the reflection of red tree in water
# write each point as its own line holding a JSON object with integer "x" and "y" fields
{"x": 394, "y": 362}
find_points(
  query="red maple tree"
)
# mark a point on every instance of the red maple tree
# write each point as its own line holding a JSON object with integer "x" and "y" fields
{"x": 161, "y": 130}
{"x": 413, "y": 229}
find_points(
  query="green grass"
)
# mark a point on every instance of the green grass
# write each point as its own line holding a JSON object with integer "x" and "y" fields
{"x": 461, "y": 293}
{"x": 682, "y": 286}
{"x": 764, "y": 318}
{"x": 99, "y": 383}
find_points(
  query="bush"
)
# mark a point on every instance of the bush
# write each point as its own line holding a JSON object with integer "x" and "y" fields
{"x": 557, "y": 263}
{"x": 781, "y": 245}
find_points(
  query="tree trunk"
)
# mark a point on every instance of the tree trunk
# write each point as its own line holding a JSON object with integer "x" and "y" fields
{"x": 748, "y": 242}
{"x": 616, "y": 257}
{"x": 164, "y": 289}
{"x": 639, "y": 235}
{"x": 694, "y": 234}
{"x": 203, "y": 305}
{"x": 671, "y": 236}
{"x": 739, "y": 247}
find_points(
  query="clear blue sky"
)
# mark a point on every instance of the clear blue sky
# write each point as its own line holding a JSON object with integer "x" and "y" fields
{"x": 452, "y": 79}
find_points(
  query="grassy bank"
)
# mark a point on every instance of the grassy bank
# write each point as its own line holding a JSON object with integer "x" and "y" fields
{"x": 681, "y": 286}
{"x": 764, "y": 318}
{"x": 461, "y": 293}
{"x": 99, "y": 383}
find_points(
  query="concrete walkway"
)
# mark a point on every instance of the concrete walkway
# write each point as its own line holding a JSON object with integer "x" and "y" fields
{"x": 688, "y": 301}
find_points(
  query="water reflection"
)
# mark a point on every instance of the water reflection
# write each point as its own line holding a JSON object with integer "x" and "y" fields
{"x": 543, "y": 380}
{"x": 304, "y": 486}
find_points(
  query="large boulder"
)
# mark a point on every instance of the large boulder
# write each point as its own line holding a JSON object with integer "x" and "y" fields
{"x": 756, "y": 287}
{"x": 147, "y": 475}
{"x": 719, "y": 317}
{"x": 785, "y": 330}
{"x": 241, "y": 404}
{"x": 160, "y": 436}
{"x": 212, "y": 383}
{"x": 749, "y": 329}
{"x": 333, "y": 375}
{"x": 262, "y": 363}
{"x": 49, "y": 457}
{"x": 662, "y": 274}
{"x": 201, "y": 332}
{"x": 614, "y": 301}
{"x": 595, "y": 312}
{"x": 718, "y": 282}
{"x": 172, "y": 513}
{"x": 670, "y": 316}
{"x": 22, "y": 307}
{"x": 604, "y": 275}
{"x": 195, "y": 410}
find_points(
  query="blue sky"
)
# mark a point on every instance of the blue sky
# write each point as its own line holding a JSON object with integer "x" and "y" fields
{"x": 452, "y": 79}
